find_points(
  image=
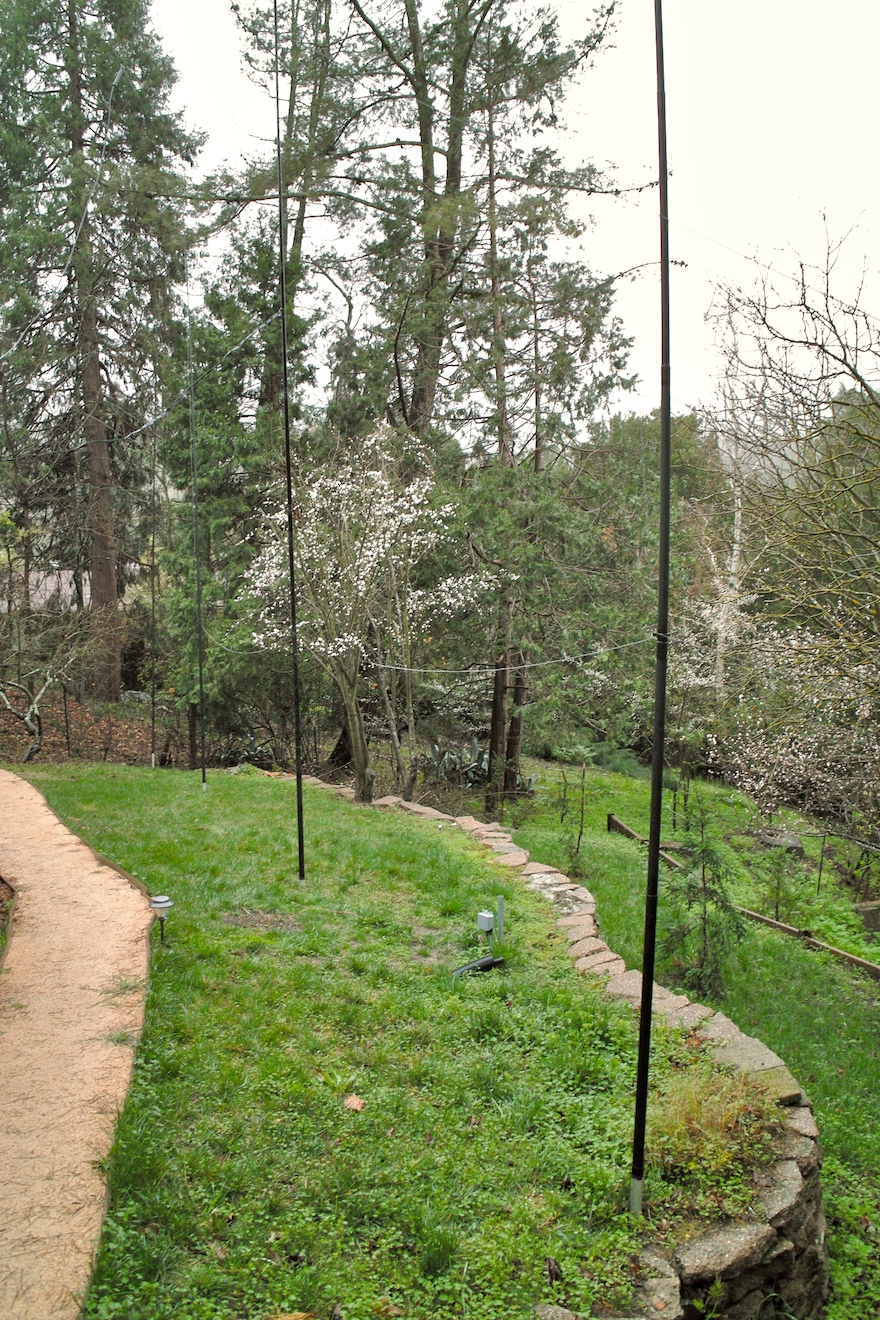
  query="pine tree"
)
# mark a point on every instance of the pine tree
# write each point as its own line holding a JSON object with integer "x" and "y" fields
{"x": 90, "y": 245}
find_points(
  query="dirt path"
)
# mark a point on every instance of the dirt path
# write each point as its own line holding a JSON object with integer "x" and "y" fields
{"x": 72, "y": 989}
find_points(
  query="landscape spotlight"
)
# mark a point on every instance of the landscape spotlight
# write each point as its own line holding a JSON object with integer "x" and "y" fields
{"x": 161, "y": 905}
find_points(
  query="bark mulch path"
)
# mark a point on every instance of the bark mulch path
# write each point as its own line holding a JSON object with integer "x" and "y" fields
{"x": 72, "y": 987}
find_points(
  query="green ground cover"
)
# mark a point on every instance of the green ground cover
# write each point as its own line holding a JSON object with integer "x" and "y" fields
{"x": 488, "y": 1167}
{"x": 823, "y": 1019}
{"x": 494, "y": 1132}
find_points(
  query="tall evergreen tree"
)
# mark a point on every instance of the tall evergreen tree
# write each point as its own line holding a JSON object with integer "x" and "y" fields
{"x": 91, "y": 242}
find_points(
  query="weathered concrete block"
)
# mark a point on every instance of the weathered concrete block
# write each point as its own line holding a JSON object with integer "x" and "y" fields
{"x": 469, "y": 823}
{"x": 718, "y": 1028}
{"x": 723, "y": 1252}
{"x": 587, "y": 947}
{"x": 803, "y": 1150}
{"x": 780, "y": 1198}
{"x": 747, "y": 1054}
{"x": 626, "y": 986}
{"x": 515, "y": 858}
{"x": 598, "y": 964}
{"x": 782, "y": 1086}
{"x": 689, "y": 1017}
{"x": 428, "y": 813}
{"x": 748, "y": 1309}
{"x": 584, "y": 929}
{"x": 800, "y": 1119}
{"x": 578, "y": 948}
{"x": 659, "y": 1294}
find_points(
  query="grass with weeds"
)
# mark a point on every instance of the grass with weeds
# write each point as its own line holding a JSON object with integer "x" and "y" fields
{"x": 709, "y": 1136}
{"x": 821, "y": 1017}
{"x": 496, "y": 1119}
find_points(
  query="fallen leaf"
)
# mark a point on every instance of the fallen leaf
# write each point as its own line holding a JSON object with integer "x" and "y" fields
{"x": 390, "y": 1132}
{"x": 427, "y": 1138}
{"x": 474, "y": 1120}
{"x": 354, "y": 1102}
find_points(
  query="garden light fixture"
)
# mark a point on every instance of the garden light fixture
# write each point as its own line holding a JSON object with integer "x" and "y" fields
{"x": 160, "y": 906}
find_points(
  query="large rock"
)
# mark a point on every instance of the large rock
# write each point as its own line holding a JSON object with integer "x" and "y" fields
{"x": 784, "y": 839}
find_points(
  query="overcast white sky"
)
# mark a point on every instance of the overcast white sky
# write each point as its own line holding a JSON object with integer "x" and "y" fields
{"x": 773, "y": 121}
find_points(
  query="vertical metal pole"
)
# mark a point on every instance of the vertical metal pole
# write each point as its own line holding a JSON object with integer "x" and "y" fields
{"x": 194, "y": 463}
{"x": 66, "y": 716}
{"x": 288, "y": 467}
{"x": 821, "y": 864}
{"x": 153, "y": 605}
{"x": 637, "y": 1180}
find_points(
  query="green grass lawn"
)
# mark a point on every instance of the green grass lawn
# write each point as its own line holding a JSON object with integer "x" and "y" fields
{"x": 491, "y": 1153}
{"x": 496, "y": 1111}
{"x": 821, "y": 1018}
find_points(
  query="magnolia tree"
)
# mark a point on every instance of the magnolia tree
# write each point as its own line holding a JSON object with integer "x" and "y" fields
{"x": 363, "y": 534}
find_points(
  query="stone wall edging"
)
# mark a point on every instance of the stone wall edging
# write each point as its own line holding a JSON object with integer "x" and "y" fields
{"x": 784, "y": 1259}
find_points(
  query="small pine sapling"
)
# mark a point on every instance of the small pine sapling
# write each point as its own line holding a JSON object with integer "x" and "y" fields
{"x": 780, "y": 886}
{"x": 703, "y": 922}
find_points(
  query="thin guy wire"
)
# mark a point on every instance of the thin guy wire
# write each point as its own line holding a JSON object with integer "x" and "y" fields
{"x": 474, "y": 671}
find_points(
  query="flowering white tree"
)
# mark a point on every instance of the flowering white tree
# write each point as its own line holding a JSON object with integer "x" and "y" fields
{"x": 361, "y": 531}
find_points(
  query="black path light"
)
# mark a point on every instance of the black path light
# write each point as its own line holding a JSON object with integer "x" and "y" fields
{"x": 637, "y": 1180}
{"x": 291, "y": 557}
{"x": 160, "y": 906}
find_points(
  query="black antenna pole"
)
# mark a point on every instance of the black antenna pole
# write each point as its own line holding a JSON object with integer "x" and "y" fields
{"x": 291, "y": 557}
{"x": 637, "y": 1181}
{"x": 194, "y": 463}
{"x": 153, "y": 601}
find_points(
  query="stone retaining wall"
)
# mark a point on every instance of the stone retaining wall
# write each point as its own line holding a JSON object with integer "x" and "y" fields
{"x": 771, "y": 1270}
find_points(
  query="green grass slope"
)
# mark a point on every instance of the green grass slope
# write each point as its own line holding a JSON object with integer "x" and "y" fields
{"x": 494, "y": 1131}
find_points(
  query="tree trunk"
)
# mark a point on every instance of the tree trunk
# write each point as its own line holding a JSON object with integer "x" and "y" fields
{"x": 536, "y": 368}
{"x": 364, "y": 774}
{"x": 104, "y": 595}
{"x": 342, "y": 754}
{"x": 514, "y": 735}
{"x": 499, "y": 347}
{"x": 497, "y": 730}
{"x": 498, "y": 725}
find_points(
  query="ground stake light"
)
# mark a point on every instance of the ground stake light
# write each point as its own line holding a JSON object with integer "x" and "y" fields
{"x": 161, "y": 905}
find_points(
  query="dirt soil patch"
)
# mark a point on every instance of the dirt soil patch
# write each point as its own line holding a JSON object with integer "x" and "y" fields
{"x": 72, "y": 988}
{"x": 257, "y": 919}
